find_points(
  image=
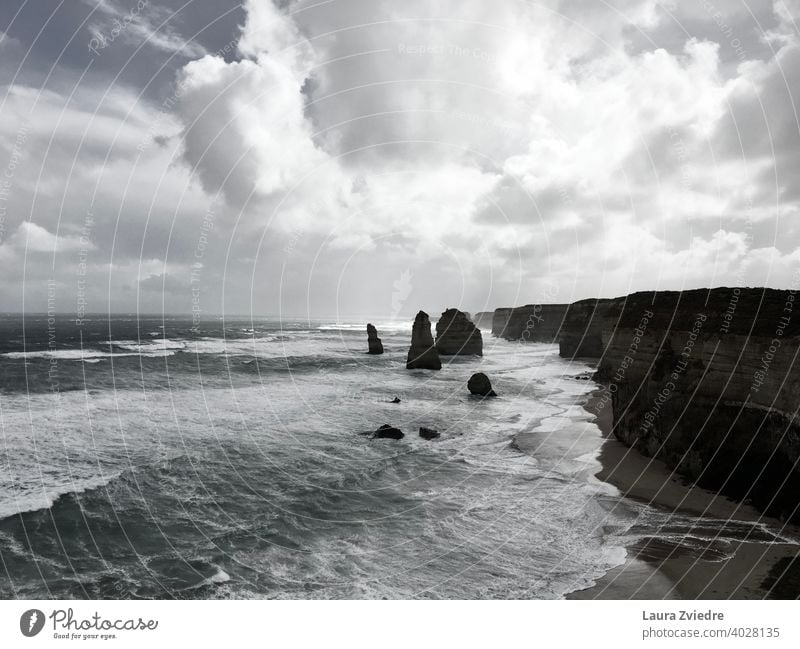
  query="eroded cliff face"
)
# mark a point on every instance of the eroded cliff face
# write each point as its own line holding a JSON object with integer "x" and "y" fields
{"x": 484, "y": 319}
{"x": 708, "y": 381}
{"x": 499, "y": 321}
{"x": 531, "y": 323}
{"x": 582, "y": 332}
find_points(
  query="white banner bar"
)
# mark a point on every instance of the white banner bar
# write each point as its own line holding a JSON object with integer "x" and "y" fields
{"x": 384, "y": 624}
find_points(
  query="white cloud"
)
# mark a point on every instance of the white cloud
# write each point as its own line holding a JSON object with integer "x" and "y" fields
{"x": 246, "y": 133}
{"x": 143, "y": 22}
{"x": 29, "y": 237}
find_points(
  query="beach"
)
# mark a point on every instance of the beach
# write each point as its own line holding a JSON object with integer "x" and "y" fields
{"x": 748, "y": 567}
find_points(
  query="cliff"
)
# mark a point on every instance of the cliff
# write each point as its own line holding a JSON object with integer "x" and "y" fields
{"x": 581, "y": 334}
{"x": 484, "y": 319}
{"x": 499, "y": 321}
{"x": 457, "y": 336}
{"x": 531, "y": 323}
{"x": 707, "y": 380}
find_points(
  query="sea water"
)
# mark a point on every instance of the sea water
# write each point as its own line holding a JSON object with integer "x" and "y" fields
{"x": 154, "y": 457}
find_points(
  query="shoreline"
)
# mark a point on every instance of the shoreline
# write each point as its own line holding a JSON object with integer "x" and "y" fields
{"x": 657, "y": 568}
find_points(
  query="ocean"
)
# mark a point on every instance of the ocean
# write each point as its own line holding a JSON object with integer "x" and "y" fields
{"x": 143, "y": 457}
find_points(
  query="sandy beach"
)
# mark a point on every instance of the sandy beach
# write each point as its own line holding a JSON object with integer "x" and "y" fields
{"x": 750, "y": 568}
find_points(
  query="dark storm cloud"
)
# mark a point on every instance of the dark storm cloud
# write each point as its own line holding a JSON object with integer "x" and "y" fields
{"x": 141, "y": 43}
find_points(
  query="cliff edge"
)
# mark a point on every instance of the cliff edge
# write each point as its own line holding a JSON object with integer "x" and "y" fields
{"x": 707, "y": 381}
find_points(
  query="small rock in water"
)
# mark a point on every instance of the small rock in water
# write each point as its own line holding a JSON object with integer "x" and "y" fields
{"x": 388, "y": 432}
{"x": 395, "y": 400}
{"x": 479, "y": 384}
{"x": 428, "y": 433}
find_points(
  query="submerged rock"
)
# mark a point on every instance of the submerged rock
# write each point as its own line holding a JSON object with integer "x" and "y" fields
{"x": 481, "y": 385}
{"x": 375, "y": 344}
{"x": 388, "y": 432}
{"x": 456, "y": 335}
{"x": 428, "y": 433}
{"x": 422, "y": 355}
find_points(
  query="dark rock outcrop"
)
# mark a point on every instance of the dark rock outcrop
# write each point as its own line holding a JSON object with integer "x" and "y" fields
{"x": 480, "y": 385}
{"x": 707, "y": 381}
{"x": 428, "y": 433}
{"x": 388, "y": 432}
{"x": 375, "y": 344}
{"x": 395, "y": 400}
{"x": 499, "y": 321}
{"x": 530, "y": 323}
{"x": 422, "y": 354}
{"x": 581, "y": 334}
{"x": 484, "y": 319}
{"x": 456, "y": 335}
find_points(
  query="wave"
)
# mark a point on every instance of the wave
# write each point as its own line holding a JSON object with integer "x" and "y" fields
{"x": 394, "y": 326}
{"x": 86, "y": 355}
{"x": 147, "y": 346}
{"x": 253, "y": 346}
{"x": 219, "y": 577}
{"x": 12, "y": 506}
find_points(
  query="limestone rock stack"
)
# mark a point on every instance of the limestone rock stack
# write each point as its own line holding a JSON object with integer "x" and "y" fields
{"x": 422, "y": 355}
{"x": 375, "y": 344}
{"x": 456, "y": 335}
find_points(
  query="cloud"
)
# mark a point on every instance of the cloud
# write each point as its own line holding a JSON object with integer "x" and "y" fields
{"x": 464, "y": 127}
{"x": 495, "y": 150}
{"x": 144, "y": 22}
{"x": 245, "y": 132}
{"x": 29, "y": 237}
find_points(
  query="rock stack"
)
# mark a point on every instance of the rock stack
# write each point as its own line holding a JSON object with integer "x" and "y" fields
{"x": 422, "y": 355}
{"x": 375, "y": 344}
{"x": 456, "y": 335}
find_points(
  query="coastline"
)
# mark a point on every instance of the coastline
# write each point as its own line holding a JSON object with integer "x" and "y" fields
{"x": 656, "y": 568}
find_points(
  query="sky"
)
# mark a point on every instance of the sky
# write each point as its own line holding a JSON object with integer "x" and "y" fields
{"x": 344, "y": 157}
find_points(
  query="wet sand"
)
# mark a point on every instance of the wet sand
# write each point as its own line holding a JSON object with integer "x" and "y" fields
{"x": 659, "y": 569}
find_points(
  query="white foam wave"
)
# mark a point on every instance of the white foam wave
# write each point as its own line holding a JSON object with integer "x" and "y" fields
{"x": 85, "y": 355}
{"x": 219, "y": 577}
{"x": 397, "y": 326}
{"x": 148, "y": 346}
{"x": 14, "y": 502}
